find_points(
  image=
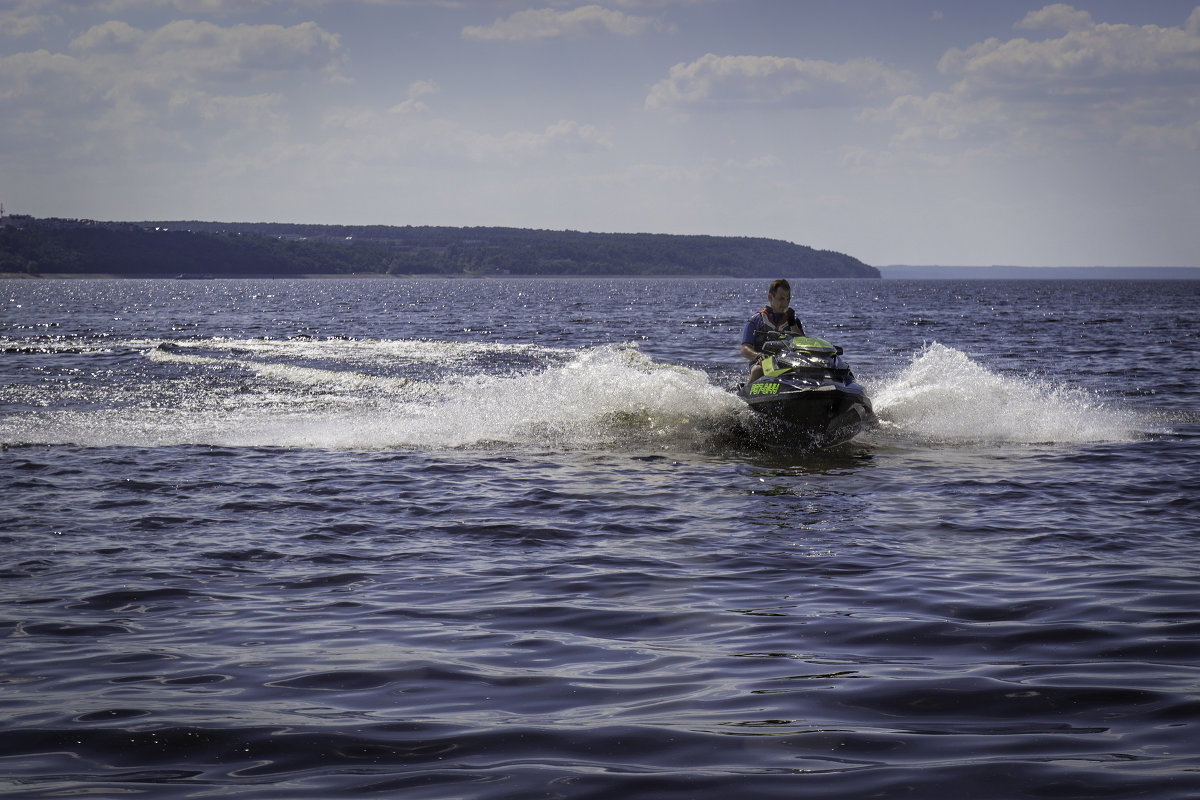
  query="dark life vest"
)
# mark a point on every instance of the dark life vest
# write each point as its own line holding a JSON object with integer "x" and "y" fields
{"x": 789, "y": 319}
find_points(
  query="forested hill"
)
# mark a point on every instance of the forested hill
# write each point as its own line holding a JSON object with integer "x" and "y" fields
{"x": 167, "y": 249}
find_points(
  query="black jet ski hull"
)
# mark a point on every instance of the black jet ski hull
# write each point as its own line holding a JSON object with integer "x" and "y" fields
{"x": 807, "y": 392}
{"x": 825, "y": 415}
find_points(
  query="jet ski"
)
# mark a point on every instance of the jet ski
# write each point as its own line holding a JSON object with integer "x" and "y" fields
{"x": 808, "y": 391}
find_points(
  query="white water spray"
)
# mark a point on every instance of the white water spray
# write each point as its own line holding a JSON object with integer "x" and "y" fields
{"x": 376, "y": 394}
{"x": 945, "y": 396}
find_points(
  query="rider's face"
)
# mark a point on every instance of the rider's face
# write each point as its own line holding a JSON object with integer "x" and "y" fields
{"x": 779, "y": 300}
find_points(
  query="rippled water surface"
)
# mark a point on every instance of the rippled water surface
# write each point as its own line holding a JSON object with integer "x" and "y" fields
{"x": 516, "y": 538}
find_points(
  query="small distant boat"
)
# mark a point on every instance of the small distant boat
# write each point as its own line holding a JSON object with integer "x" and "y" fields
{"x": 809, "y": 389}
{"x": 194, "y": 276}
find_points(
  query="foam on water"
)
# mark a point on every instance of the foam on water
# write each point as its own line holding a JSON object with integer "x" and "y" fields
{"x": 945, "y": 396}
{"x": 370, "y": 394}
{"x": 253, "y": 393}
{"x": 252, "y": 353}
{"x": 600, "y": 395}
{"x": 290, "y": 373}
{"x": 594, "y": 397}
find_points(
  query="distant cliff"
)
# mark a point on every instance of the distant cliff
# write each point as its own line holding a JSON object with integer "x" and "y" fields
{"x": 168, "y": 249}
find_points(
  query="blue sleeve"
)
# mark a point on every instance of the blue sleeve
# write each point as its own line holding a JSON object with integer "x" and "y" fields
{"x": 752, "y": 325}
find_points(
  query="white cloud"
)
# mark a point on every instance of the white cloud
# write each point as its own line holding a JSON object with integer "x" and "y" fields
{"x": 194, "y": 51}
{"x": 190, "y": 7}
{"x": 1120, "y": 59}
{"x": 762, "y": 162}
{"x": 111, "y": 37}
{"x": 371, "y": 120}
{"x": 1059, "y": 15}
{"x": 1094, "y": 82}
{"x": 402, "y": 136}
{"x": 740, "y": 81}
{"x": 351, "y": 118}
{"x": 413, "y": 105}
{"x": 15, "y": 24}
{"x": 454, "y": 140}
{"x": 548, "y": 23}
{"x": 420, "y": 88}
{"x": 1163, "y": 137}
{"x": 364, "y": 118}
{"x": 184, "y": 86}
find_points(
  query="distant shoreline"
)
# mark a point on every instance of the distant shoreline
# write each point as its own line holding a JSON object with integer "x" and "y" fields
{"x": 888, "y": 273}
{"x": 905, "y": 271}
{"x": 194, "y": 249}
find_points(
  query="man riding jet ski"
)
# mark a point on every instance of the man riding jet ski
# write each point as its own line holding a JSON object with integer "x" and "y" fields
{"x": 798, "y": 381}
{"x": 777, "y": 316}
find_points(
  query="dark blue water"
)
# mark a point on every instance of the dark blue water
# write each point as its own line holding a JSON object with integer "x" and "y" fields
{"x": 509, "y": 539}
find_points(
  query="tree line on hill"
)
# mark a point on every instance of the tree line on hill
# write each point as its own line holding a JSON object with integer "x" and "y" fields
{"x": 189, "y": 248}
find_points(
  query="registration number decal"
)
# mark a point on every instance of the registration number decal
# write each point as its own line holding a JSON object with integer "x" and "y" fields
{"x": 764, "y": 388}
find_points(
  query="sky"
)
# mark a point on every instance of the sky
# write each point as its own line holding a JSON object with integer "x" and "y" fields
{"x": 947, "y": 132}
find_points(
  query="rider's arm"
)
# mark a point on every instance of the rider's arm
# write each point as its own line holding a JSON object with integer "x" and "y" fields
{"x": 749, "y": 351}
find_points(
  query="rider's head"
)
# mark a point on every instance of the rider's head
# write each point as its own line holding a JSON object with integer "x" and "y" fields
{"x": 779, "y": 296}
